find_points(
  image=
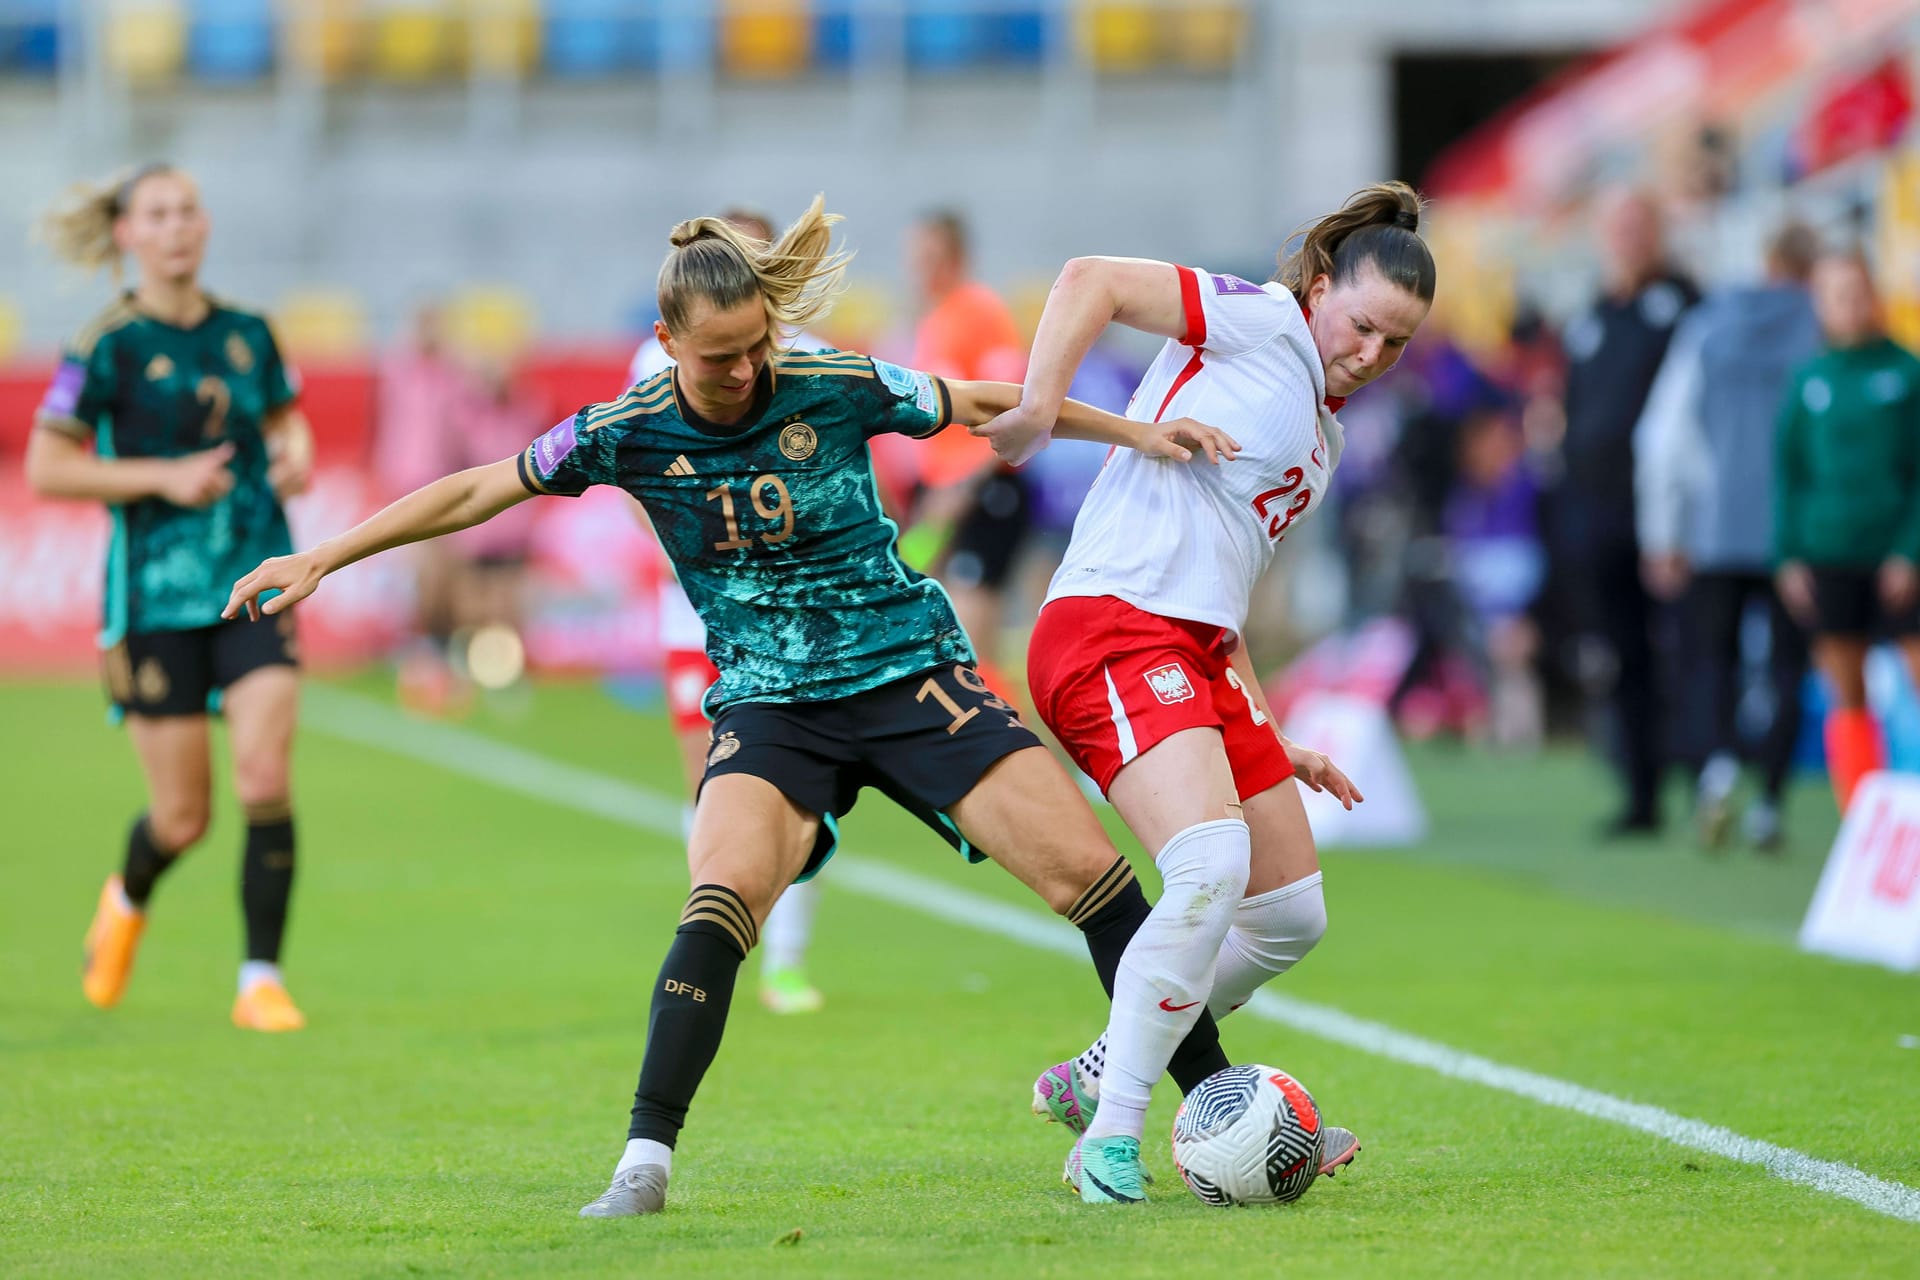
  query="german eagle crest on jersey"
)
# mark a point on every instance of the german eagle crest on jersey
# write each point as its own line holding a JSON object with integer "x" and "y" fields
{"x": 1170, "y": 684}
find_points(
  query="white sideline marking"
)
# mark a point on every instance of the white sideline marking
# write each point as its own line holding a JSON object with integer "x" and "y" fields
{"x": 373, "y": 724}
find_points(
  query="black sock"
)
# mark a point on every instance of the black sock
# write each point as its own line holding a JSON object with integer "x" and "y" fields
{"x": 146, "y": 863}
{"x": 266, "y": 878}
{"x": 1109, "y": 914}
{"x": 689, "y": 1012}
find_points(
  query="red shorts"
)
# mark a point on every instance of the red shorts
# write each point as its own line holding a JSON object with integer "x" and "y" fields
{"x": 689, "y": 673}
{"x": 1112, "y": 681}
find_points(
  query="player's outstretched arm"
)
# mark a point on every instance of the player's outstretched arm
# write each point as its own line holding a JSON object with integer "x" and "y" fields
{"x": 1089, "y": 295}
{"x": 984, "y": 406}
{"x": 451, "y": 503}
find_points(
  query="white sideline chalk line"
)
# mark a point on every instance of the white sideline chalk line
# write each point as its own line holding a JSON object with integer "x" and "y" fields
{"x": 374, "y": 724}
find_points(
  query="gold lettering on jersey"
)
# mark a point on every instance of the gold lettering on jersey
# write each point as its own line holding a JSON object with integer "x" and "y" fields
{"x": 159, "y": 367}
{"x": 239, "y": 354}
{"x": 214, "y": 393}
{"x": 725, "y": 747}
{"x": 798, "y": 441}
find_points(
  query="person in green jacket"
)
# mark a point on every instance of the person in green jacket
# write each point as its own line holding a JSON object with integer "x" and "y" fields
{"x": 1847, "y": 506}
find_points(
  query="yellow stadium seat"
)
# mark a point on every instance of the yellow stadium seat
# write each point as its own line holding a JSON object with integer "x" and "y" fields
{"x": 492, "y": 322}
{"x": 146, "y": 40}
{"x": 1121, "y": 36}
{"x": 12, "y": 327}
{"x": 323, "y": 37}
{"x": 1205, "y": 37}
{"x": 765, "y": 39}
{"x": 321, "y": 324}
{"x": 503, "y": 36}
{"x": 413, "y": 41}
{"x": 860, "y": 317}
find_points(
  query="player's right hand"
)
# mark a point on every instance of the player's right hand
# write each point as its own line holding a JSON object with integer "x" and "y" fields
{"x": 199, "y": 479}
{"x": 295, "y": 577}
{"x": 1794, "y": 581}
{"x": 1016, "y": 435}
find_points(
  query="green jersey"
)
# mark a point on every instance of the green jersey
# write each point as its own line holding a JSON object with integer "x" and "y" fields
{"x": 774, "y": 523}
{"x": 137, "y": 387}
{"x": 1847, "y": 451}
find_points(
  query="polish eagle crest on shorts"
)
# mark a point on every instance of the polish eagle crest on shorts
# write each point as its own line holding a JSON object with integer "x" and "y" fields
{"x": 1170, "y": 684}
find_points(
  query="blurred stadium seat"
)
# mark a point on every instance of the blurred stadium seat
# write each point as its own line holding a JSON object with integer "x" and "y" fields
{"x": 1119, "y": 36}
{"x": 504, "y": 36}
{"x": 12, "y": 328}
{"x": 490, "y": 321}
{"x": 324, "y": 38}
{"x": 587, "y": 37}
{"x": 321, "y": 324}
{"x": 145, "y": 40}
{"x": 765, "y": 39}
{"x": 230, "y": 40}
{"x": 30, "y": 36}
{"x": 413, "y": 40}
{"x": 1205, "y": 37}
{"x": 683, "y": 32}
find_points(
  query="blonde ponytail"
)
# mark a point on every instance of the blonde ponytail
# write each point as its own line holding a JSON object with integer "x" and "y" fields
{"x": 797, "y": 277}
{"x": 79, "y": 229}
{"x": 1378, "y": 226}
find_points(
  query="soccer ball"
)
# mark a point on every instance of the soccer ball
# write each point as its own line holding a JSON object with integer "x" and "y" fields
{"x": 1248, "y": 1135}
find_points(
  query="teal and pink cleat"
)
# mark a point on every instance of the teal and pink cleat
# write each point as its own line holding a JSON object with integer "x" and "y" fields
{"x": 1061, "y": 1097}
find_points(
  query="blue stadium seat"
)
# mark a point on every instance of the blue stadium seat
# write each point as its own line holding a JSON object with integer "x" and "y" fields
{"x": 588, "y": 37}
{"x": 30, "y": 36}
{"x": 946, "y": 38}
{"x": 685, "y": 30}
{"x": 833, "y": 35}
{"x": 230, "y": 40}
{"x": 1020, "y": 36}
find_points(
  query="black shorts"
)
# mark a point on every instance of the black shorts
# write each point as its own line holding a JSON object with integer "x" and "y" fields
{"x": 1846, "y": 602}
{"x": 925, "y": 741}
{"x": 176, "y": 673}
{"x": 991, "y": 533}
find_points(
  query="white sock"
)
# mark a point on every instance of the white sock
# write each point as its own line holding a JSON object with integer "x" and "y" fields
{"x": 255, "y": 972}
{"x": 1167, "y": 971}
{"x": 1270, "y": 934}
{"x": 645, "y": 1151}
{"x": 789, "y": 927}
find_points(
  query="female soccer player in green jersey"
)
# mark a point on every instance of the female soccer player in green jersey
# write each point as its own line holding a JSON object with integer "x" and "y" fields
{"x": 841, "y": 668}
{"x": 176, "y": 411}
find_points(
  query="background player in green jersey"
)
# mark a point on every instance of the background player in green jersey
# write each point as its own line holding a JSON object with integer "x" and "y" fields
{"x": 840, "y": 667}
{"x": 176, "y": 411}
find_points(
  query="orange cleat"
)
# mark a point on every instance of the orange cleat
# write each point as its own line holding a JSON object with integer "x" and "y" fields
{"x": 266, "y": 1006}
{"x": 111, "y": 941}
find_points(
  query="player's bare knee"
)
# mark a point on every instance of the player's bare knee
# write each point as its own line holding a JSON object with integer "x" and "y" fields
{"x": 177, "y": 826}
{"x": 260, "y": 781}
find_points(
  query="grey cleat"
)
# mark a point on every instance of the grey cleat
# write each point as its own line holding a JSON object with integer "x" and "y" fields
{"x": 1337, "y": 1149}
{"x": 636, "y": 1189}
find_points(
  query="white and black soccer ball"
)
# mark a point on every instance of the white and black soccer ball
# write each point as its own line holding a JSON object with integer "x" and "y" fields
{"x": 1248, "y": 1135}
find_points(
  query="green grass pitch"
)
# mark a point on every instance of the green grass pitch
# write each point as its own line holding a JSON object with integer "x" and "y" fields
{"x": 475, "y": 964}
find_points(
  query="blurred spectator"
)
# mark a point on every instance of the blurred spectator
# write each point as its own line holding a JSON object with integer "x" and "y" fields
{"x": 1614, "y": 351}
{"x": 1847, "y": 506}
{"x": 1704, "y": 486}
{"x": 967, "y": 332}
{"x": 1492, "y": 529}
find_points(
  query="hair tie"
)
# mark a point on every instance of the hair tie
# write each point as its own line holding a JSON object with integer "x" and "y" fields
{"x": 1407, "y": 219}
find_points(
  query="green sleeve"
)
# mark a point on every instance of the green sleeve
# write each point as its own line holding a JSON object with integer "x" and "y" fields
{"x": 1907, "y": 543}
{"x": 908, "y": 402}
{"x": 283, "y": 383}
{"x": 576, "y": 454}
{"x": 80, "y": 397}
{"x": 1789, "y": 440}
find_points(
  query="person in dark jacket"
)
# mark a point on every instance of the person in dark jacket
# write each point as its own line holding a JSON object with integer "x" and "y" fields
{"x": 1704, "y": 489}
{"x": 1614, "y": 350}
{"x": 1847, "y": 506}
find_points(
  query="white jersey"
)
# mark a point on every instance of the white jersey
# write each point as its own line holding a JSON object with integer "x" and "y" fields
{"x": 1189, "y": 540}
{"x": 680, "y": 626}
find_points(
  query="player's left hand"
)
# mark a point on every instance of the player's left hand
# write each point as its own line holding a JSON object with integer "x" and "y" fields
{"x": 1016, "y": 435}
{"x": 1321, "y": 774}
{"x": 290, "y": 463}
{"x": 1179, "y": 438}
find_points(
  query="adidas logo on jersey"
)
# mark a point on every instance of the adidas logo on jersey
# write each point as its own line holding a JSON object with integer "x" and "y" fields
{"x": 680, "y": 467}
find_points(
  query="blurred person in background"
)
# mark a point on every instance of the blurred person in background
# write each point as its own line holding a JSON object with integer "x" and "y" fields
{"x": 492, "y": 412}
{"x": 1498, "y": 564}
{"x": 967, "y": 333}
{"x": 687, "y": 673}
{"x": 177, "y": 411}
{"x": 415, "y": 442}
{"x": 1847, "y": 506}
{"x": 1614, "y": 350}
{"x": 1704, "y": 490}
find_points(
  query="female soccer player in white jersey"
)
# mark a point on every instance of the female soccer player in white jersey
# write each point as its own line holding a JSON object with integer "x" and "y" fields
{"x": 1136, "y": 662}
{"x": 840, "y": 668}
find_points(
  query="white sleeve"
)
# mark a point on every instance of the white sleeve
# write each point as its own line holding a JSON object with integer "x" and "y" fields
{"x": 1668, "y": 446}
{"x": 1230, "y": 315}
